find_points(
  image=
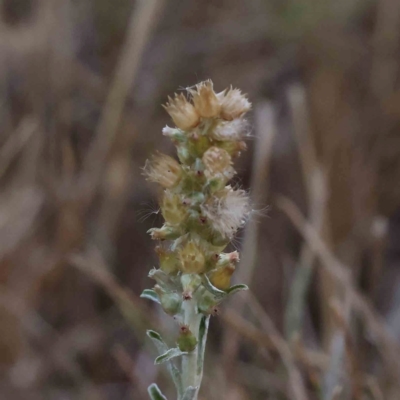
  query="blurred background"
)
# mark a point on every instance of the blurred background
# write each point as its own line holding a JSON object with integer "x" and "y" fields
{"x": 81, "y": 88}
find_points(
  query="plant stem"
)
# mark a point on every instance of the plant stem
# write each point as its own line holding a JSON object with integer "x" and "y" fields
{"x": 192, "y": 363}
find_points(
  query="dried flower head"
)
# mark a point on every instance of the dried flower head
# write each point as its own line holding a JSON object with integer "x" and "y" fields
{"x": 205, "y": 100}
{"x": 233, "y": 104}
{"x": 218, "y": 163}
{"x": 227, "y": 211}
{"x": 163, "y": 169}
{"x": 182, "y": 112}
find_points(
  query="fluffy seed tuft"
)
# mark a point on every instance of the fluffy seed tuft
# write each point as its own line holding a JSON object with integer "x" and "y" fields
{"x": 230, "y": 130}
{"x": 227, "y": 211}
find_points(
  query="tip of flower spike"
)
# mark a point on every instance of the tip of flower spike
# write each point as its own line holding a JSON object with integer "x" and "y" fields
{"x": 205, "y": 99}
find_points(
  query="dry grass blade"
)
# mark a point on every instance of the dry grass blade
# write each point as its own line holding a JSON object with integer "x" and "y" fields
{"x": 387, "y": 346}
{"x": 132, "y": 308}
{"x": 297, "y": 388}
{"x": 315, "y": 183}
{"x": 142, "y": 21}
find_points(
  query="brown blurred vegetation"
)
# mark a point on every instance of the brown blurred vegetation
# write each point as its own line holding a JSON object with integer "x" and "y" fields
{"x": 81, "y": 87}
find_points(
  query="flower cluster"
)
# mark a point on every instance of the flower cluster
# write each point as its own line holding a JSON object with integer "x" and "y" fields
{"x": 202, "y": 212}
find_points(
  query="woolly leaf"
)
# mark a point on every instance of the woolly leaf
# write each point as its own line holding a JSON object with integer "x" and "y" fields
{"x": 163, "y": 348}
{"x": 155, "y": 336}
{"x": 203, "y": 329}
{"x": 219, "y": 294}
{"x": 169, "y": 354}
{"x": 237, "y": 288}
{"x": 155, "y": 393}
{"x": 150, "y": 294}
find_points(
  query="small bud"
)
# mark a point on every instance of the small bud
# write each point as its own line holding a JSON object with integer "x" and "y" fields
{"x": 186, "y": 340}
{"x": 207, "y": 303}
{"x": 160, "y": 277}
{"x": 182, "y": 112}
{"x": 233, "y": 148}
{"x": 163, "y": 169}
{"x": 166, "y": 232}
{"x": 173, "y": 211}
{"x": 221, "y": 277}
{"x": 205, "y": 100}
{"x": 233, "y": 104}
{"x": 192, "y": 259}
{"x": 190, "y": 283}
{"x": 218, "y": 164}
{"x": 184, "y": 155}
{"x": 170, "y": 301}
{"x": 229, "y": 130}
{"x": 176, "y": 135}
{"x": 169, "y": 262}
{"x": 228, "y": 258}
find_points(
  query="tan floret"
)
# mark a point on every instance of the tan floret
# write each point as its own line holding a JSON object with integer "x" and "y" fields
{"x": 163, "y": 169}
{"x": 234, "y": 104}
{"x": 205, "y": 100}
{"x": 182, "y": 112}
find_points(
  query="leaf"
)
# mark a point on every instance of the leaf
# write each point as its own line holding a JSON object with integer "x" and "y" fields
{"x": 237, "y": 288}
{"x": 190, "y": 393}
{"x": 155, "y": 393}
{"x": 155, "y": 336}
{"x": 150, "y": 294}
{"x": 162, "y": 348}
{"x": 169, "y": 354}
{"x": 203, "y": 330}
{"x": 219, "y": 294}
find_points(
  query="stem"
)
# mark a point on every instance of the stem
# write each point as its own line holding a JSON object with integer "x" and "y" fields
{"x": 192, "y": 363}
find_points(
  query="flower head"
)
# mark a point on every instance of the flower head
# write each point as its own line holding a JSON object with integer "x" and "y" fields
{"x": 192, "y": 258}
{"x": 227, "y": 211}
{"x": 205, "y": 100}
{"x": 163, "y": 169}
{"x": 233, "y": 104}
{"x": 172, "y": 208}
{"x": 218, "y": 163}
{"x": 182, "y": 112}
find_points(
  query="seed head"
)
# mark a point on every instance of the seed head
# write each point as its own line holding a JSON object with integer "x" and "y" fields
{"x": 205, "y": 100}
{"x": 163, "y": 169}
{"x": 233, "y": 104}
{"x": 182, "y": 112}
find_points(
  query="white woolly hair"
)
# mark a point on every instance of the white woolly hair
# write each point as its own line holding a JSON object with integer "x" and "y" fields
{"x": 231, "y": 130}
{"x": 227, "y": 211}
